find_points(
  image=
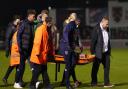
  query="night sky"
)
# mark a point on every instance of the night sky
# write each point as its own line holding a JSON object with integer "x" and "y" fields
{"x": 10, "y": 7}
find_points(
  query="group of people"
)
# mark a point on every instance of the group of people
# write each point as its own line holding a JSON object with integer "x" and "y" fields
{"x": 33, "y": 41}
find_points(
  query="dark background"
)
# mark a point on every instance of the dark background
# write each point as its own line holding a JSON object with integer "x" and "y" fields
{"x": 10, "y": 7}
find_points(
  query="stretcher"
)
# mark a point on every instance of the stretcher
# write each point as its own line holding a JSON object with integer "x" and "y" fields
{"x": 59, "y": 59}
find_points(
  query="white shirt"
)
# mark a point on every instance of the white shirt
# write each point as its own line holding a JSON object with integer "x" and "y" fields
{"x": 105, "y": 39}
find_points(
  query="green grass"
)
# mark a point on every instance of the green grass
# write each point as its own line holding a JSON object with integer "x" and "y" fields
{"x": 118, "y": 72}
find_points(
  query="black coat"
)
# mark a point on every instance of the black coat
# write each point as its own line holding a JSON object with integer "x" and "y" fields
{"x": 97, "y": 42}
{"x": 25, "y": 37}
{"x": 11, "y": 29}
{"x": 68, "y": 41}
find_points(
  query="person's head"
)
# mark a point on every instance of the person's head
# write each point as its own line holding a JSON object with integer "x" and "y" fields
{"x": 48, "y": 21}
{"x": 105, "y": 22}
{"x": 44, "y": 14}
{"x": 16, "y": 19}
{"x": 73, "y": 16}
{"x": 31, "y": 15}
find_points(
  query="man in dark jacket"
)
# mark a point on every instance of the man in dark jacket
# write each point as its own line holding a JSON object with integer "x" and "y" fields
{"x": 25, "y": 38}
{"x": 68, "y": 44}
{"x": 100, "y": 46}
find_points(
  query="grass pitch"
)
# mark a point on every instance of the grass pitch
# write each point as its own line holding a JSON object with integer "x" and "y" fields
{"x": 118, "y": 72}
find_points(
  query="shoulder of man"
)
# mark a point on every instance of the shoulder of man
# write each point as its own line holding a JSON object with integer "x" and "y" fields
{"x": 23, "y": 22}
{"x": 71, "y": 25}
{"x": 97, "y": 28}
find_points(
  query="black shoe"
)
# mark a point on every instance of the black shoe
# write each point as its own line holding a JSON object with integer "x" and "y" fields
{"x": 5, "y": 81}
{"x": 70, "y": 87}
{"x": 94, "y": 85}
{"x": 48, "y": 87}
{"x": 77, "y": 84}
{"x": 22, "y": 83}
{"x": 32, "y": 87}
{"x": 62, "y": 84}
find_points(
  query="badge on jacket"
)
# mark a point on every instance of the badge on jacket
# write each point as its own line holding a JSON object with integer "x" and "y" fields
{"x": 66, "y": 52}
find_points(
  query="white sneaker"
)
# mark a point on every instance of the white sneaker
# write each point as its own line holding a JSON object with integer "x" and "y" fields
{"x": 17, "y": 85}
{"x": 108, "y": 86}
{"x": 38, "y": 85}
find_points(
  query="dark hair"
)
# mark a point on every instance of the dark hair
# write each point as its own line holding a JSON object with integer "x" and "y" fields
{"x": 44, "y": 12}
{"x": 31, "y": 11}
{"x": 106, "y": 17}
{"x": 16, "y": 17}
{"x": 48, "y": 19}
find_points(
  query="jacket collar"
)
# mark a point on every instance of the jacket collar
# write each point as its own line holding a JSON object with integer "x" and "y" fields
{"x": 28, "y": 21}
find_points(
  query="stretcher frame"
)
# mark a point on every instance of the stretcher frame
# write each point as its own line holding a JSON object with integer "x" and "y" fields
{"x": 59, "y": 59}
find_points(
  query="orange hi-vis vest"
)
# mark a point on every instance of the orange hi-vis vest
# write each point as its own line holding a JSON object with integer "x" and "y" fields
{"x": 40, "y": 46}
{"x": 15, "y": 55}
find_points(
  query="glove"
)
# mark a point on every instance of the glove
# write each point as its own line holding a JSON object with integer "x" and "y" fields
{"x": 7, "y": 54}
{"x": 81, "y": 48}
{"x": 77, "y": 49}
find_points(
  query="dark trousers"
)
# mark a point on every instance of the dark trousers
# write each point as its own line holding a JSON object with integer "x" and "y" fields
{"x": 21, "y": 68}
{"x": 106, "y": 64}
{"x": 72, "y": 74}
{"x": 70, "y": 58}
{"x": 38, "y": 69}
{"x": 10, "y": 69}
{"x": 76, "y": 56}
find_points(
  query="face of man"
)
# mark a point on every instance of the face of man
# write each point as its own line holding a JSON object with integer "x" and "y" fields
{"x": 44, "y": 16}
{"x": 31, "y": 17}
{"x": 105, "y": 23}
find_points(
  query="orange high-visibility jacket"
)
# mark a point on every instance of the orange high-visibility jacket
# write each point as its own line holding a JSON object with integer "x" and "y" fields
{"x": 15, "y": 55}
{"x": 40, "y": 46}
